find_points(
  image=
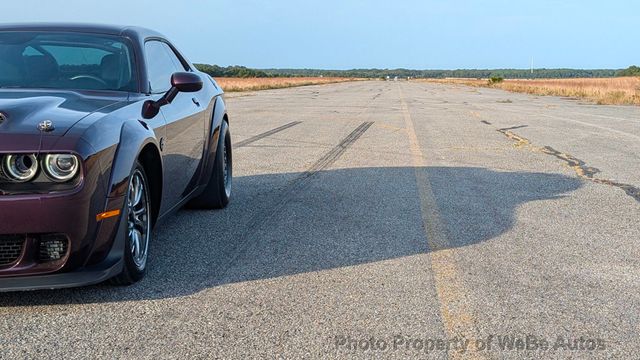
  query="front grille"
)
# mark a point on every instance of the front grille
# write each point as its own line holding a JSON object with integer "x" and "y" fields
{"x": 53, "y": 247}
{"x": 10, "y": 248}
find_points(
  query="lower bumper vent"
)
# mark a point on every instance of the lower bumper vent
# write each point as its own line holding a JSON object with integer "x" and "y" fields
{"x": 53, "y": 247}
{"x": 10, "y": 248}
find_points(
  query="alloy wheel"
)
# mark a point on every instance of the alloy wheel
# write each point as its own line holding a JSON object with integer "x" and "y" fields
{"x": 139, "y": 225}
{"x": 226, "y": 169}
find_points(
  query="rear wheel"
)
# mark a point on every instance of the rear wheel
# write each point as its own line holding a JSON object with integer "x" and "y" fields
{"x": 217, "y": 193}
{"x": 138, "y": 217}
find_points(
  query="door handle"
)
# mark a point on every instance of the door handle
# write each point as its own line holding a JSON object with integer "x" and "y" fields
{"x": 195, "y": 101}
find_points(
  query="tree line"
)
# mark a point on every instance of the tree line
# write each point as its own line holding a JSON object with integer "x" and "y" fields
{"x": 630, "y": 71}
{"x": 230, "y": 71}
{"x": 244, "y": 72}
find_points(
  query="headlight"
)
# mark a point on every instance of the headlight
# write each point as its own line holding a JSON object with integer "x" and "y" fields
{"x": 61, "y": 167}
{"x": 20, "y": 167}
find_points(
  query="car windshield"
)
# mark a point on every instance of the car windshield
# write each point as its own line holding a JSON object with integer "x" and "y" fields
{"x": 65, "y": 61}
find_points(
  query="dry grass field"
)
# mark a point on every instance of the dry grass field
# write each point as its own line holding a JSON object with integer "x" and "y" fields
{"x": 252, "y": 84}
{"x": 605, "y": 91}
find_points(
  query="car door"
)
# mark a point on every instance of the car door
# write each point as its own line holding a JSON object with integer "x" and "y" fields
{"x": 185, "y": 118}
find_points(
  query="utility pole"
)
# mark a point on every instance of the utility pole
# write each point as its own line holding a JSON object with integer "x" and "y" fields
{"x": 532, "y": 67}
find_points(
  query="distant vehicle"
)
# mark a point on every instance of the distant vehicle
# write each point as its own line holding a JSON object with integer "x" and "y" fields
{"x": 104, "y": 131}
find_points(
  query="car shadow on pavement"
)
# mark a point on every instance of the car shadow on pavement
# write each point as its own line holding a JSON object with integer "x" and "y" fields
{"x": 287, "y": 224}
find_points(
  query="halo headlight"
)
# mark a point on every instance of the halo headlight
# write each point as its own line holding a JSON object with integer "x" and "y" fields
{"x": 20, "y": 167}
{"x": 61, "y": 167}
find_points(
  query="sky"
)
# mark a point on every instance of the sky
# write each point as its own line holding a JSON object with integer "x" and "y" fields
{"x": 346, "y": 34}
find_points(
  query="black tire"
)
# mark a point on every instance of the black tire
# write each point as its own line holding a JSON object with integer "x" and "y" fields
{"x": 139, "y": 226}
{"x": 217, "y": 193}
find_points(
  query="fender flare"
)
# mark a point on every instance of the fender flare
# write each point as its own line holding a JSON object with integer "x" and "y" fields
{"x": 134, "y": 137}
{"x": 219, "y": 115}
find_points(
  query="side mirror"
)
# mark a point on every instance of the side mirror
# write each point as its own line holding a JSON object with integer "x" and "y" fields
{"x": 180, "y": 82}
{"x": 186, "y": 82}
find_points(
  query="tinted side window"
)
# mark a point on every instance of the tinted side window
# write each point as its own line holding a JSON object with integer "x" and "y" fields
{"x": 176, "y": 61}
{"x": 160, "y": 66}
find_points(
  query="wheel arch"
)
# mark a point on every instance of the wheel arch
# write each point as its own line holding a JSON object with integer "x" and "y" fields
{"x": 219, "y": 114}
{"x": 151, "y": 161}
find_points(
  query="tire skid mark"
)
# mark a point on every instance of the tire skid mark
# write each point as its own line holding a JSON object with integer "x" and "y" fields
{"x": 581, "y": 169}
{"x": 337, "y": 151}
{"x": 285, "y": 194}
{"x": 266, "y": 134}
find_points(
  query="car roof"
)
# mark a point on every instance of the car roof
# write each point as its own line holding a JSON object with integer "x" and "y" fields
{"x": 82, "y": 28}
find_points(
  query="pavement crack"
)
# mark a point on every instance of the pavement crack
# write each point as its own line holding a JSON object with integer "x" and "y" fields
{"x": 579, "y": 166}
{"x": 266, "y": 134}
{"x": 581, "y": 169}
{"x": 588, "y": 173}
{"x": 513, "y": 128}
{"x": 520, "y": 141}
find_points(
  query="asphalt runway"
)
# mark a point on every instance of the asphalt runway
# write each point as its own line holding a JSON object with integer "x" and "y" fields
{"x": 383, "y": 219}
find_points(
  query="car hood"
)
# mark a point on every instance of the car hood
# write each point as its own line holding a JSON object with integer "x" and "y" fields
{"x": 23, "y": 110}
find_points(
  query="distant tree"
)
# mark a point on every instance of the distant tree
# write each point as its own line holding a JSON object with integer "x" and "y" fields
{"x": 630, "y": 71}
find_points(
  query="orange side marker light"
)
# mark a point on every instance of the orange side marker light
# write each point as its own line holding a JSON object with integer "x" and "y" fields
{"x": 108, "y": 214}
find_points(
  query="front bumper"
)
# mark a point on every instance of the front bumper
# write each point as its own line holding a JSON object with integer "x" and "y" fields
{"x": 91, "y": 255}
{"x": 94, "y": 248}
{"x": 83, "y": 277}
{"x": 80, "y": 267}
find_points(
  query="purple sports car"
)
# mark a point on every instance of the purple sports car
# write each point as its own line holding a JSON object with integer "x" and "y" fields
{"x": 104, "y": 131}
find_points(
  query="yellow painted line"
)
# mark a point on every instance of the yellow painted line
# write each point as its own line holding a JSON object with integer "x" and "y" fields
{"x": 389, "y": 127}
{"x": 457, "y": 315}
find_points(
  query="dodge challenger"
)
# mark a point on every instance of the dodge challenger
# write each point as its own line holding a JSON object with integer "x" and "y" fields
{"x": 104, "y": 132}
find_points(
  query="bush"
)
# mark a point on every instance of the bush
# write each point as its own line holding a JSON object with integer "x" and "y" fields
{"x": 495, "y": 80}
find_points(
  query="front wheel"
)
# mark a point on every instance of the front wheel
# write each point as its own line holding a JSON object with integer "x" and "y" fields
{"x": 138, "y": 217}
{"x": 217, "y": 193}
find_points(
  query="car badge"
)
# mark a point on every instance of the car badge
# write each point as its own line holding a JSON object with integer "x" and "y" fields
{"x": 3, "y": 117}
{"x": 46, "y": 126}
